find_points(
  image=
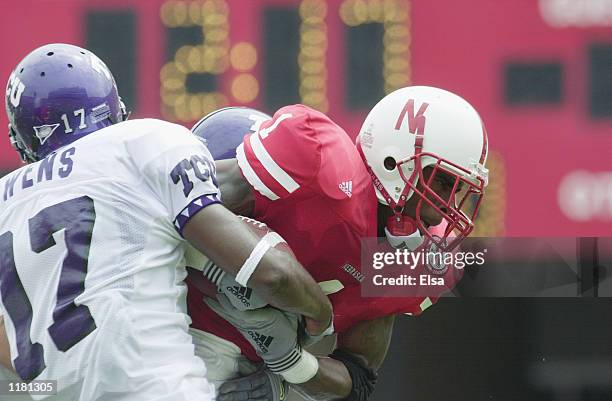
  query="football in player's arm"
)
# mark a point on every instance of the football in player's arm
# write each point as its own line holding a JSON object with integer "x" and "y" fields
{"x": 360, "y": 350}
{"x": 351, "y": 370}
{"x": 125, "y": 195}
{"x": 278, "y": 277}
{"x": 420, "y": 153}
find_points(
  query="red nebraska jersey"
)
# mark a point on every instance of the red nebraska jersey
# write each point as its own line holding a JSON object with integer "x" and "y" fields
{"x": 311, "y": 187}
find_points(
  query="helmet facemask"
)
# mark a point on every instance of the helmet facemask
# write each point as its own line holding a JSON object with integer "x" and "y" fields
{"x": 458, "y": 207}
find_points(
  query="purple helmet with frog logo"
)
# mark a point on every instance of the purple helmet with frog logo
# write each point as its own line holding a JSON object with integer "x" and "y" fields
{"x": 57, "y": 94}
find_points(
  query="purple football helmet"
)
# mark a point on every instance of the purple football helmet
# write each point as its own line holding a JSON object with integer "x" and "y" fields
{"x": 224, "y": 129}
{"x": 57, "y": 94}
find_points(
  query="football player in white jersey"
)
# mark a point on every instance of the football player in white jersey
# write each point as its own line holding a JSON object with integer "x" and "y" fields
{"x": 93, "y": 233}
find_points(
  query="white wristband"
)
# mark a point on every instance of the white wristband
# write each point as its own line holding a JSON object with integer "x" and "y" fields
{"x": 248, "y": 268}
{"x": 304, "y": 370}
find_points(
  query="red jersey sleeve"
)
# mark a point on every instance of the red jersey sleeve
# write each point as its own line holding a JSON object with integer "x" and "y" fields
{"x": 283, "y": 156}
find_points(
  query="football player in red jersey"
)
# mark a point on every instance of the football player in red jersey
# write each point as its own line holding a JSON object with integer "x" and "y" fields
{"x": 423, "y": 148}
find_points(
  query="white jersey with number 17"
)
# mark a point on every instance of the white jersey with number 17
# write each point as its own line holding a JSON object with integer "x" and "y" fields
{"x": 91, "y": 263}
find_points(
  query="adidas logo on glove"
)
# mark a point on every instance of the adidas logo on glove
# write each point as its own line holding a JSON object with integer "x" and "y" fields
{"x": 262, "y": 341}
{"x": 241, "y": 293}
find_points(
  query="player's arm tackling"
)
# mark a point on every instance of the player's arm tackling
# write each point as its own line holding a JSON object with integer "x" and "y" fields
{"x": 278, "y": 277}
{"x": 350, "y": 371}
{"x": 183, "y": 178}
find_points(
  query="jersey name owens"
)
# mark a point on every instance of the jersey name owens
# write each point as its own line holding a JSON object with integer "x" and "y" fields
{"x": 53, "y": 166}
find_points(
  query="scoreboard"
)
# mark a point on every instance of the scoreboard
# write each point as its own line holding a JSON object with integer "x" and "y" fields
{"x": 539, "y": 75}
{"x": 181, "y": 59}
{"x": 220, "y": 52}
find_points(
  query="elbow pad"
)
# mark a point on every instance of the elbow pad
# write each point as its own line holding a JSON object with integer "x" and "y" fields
{"x": 363, "y": 378}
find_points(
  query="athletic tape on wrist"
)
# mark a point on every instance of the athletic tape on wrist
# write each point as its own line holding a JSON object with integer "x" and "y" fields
{"x": 305, "y": 369}
{"x": 287, "y": 362}
{"x": 269, "y": 240}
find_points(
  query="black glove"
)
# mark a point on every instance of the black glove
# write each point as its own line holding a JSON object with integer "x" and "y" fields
{"x": 262, "y": 385}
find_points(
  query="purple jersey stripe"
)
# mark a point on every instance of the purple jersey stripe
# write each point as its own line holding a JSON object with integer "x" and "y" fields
{"x": 192, "y": 209}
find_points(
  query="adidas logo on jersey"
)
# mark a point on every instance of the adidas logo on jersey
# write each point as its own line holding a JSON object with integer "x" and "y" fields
{"x": 262, "y": 341}
{"x": 346, "y": 187}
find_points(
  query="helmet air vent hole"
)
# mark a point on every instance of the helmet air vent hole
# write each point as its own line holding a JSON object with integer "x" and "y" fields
{"x": 69, "y": 65}
{"x": 50, "y": 54}
{"x": 42, "y": 74}
{"x": 82, "y": 52}
{"x": 390, "y": 163}
{"x": 21, "y": 70}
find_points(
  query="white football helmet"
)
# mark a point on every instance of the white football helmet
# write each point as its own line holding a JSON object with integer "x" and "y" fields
{"x": 417, "y": 127}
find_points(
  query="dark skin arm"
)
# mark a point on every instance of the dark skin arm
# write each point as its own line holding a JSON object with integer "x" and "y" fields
{"x": 236, "y": 192}
{"x": 279, "y": 278}
{"x": 369, "y": 340}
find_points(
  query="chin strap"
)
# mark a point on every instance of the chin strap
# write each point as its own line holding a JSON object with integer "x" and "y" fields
{"x": 400, "y": 225}
{"x": 411, "y": 241}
